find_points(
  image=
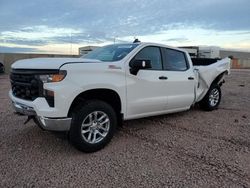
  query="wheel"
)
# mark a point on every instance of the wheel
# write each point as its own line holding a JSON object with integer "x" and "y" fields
{"x": 93, "y": 125}
{"x": 212, "y": 99}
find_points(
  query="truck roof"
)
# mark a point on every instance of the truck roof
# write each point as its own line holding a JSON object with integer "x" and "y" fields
{"x": 155, "y": 44}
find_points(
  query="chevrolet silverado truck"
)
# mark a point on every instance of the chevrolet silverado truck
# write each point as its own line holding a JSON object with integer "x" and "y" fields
{"x": 89, "y": 96}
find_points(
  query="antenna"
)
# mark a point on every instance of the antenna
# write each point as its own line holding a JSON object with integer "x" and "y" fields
{"x": 136, "y": 41}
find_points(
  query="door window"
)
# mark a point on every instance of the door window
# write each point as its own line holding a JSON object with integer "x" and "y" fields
{"x": 153, "y": 54}
{"x": 174, "y": 60}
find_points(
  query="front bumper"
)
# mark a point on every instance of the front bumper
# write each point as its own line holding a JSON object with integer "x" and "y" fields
{"x": 52, "y": 124}
{"x": 58, "y": 124}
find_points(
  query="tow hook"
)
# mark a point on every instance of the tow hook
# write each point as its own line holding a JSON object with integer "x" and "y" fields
{"x": 28, "y": 119}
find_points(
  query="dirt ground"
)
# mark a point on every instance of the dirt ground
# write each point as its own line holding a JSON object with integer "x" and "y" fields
{"x": 188, "y": 149}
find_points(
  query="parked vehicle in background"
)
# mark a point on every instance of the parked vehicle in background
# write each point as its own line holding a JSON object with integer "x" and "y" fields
{"x": 88, "y": 96}
{"x": 2, "y": 67}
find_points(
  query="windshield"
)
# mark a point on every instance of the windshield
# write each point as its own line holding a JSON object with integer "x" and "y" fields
{"x": 111, "y": 53}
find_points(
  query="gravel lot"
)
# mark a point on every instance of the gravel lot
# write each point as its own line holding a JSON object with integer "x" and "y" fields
{"x": 188, "y": 149}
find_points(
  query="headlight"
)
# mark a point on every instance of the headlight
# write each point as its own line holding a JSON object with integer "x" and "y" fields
{"x": 48, "y": 78}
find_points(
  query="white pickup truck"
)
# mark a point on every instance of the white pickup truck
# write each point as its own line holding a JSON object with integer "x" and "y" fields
{"x": 89, "y": 96}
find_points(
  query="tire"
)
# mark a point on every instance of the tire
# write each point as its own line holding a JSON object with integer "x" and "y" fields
{"x": 1, "y": 68}
{"x": 212, "y": 99}
{"x": 93, "y": 125}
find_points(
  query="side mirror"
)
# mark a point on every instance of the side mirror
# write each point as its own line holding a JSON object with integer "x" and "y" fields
{"x": 138, "y": 64}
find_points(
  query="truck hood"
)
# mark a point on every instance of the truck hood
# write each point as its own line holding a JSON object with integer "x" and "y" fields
{"x": 48, "y": 63}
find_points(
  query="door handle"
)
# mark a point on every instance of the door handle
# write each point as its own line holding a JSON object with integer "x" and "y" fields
{"x": 163, "y": 78}
{"x": 191, "y": 78}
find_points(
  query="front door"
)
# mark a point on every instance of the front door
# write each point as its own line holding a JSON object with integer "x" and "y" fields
{"x": 146, "y": 91}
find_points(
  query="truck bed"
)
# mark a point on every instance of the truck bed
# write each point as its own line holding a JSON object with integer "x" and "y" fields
{"x": 203, "y": 61}
{"x": 206, "y": 71}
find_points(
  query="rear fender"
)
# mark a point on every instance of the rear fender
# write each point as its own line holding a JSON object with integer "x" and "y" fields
{"x": 219, "y": 80}
{"x": 211, "y": 74}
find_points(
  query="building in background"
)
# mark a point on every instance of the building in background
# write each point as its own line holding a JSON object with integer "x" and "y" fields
{"x": 241, "y": 59}
{"x": 86, "y": 49}
{"x": 202, "y": 52}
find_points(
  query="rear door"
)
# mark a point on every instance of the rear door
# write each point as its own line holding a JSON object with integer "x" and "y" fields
{"x": 180, "y": 79}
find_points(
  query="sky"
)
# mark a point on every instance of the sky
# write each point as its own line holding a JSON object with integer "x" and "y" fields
{"x": 62, "y": 26}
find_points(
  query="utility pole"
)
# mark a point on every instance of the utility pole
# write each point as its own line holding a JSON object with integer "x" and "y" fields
{"x": 71, "y": 42}
{"x": 115, "y": 39}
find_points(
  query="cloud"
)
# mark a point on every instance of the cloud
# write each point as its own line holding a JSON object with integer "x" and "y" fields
{"x": 44, "y": 22}
{"x": 180, "y": 39}
{"x": 23, "y": 41}
{"x": 111, "y": 15}
{"x": 39, "y": 35}
{"x": 40, "y": 31}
